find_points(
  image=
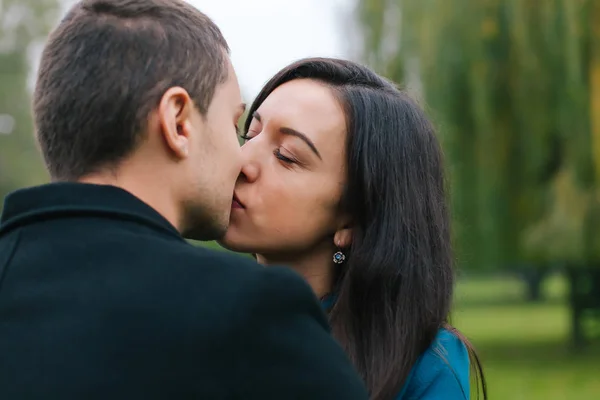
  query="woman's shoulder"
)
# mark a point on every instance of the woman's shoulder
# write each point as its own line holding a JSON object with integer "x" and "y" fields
{"x": 442, "y": 370}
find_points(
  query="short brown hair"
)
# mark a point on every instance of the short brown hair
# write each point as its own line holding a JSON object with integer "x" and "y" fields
{"x": 106, "y": 67}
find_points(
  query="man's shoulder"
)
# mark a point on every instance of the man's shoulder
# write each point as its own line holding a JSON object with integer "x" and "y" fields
{"x": 236, "y": 276}
{"x": 206, "y": 261}
{"x": 244, "y": 292}
{"x": 273, "y": 280}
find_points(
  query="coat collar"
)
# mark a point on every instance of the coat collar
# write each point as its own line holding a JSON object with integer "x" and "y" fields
{"x": 58, "y": 200}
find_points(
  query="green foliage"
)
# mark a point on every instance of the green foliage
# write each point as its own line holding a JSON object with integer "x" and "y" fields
{"x": 511, "y": 84}
{"x": 23, "y": 24}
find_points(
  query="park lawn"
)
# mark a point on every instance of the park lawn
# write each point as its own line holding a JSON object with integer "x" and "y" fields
{"x": 211, "y": 245}
{"x": 524, "y": 347}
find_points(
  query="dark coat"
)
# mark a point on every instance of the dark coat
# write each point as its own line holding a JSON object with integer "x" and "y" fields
{"x": 101, "y": 298}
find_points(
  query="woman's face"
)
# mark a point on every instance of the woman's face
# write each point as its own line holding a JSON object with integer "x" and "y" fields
{"x": 287, "y": 196}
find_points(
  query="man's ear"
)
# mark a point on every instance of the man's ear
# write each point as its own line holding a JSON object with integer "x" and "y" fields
{"x": 174, "y": 112}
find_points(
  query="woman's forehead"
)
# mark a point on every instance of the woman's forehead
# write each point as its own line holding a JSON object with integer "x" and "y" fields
{"x": 304, "y": 105}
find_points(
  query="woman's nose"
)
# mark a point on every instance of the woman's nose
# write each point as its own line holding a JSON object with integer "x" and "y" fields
{"x": 250, "y": 161}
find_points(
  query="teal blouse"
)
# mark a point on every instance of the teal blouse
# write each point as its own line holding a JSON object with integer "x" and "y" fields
{"x": 440, "y": 373}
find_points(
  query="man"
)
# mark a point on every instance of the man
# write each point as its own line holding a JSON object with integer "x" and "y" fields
{"x": 100, "y": 297}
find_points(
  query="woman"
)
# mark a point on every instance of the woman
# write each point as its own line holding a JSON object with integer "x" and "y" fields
{"x": 343, "y": 181}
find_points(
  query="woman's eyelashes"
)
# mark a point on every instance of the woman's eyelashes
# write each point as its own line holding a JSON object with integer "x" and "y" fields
{"x": 287, "y": 160}
{"x": 277, "y": 152}
{"x": 247, "y": 136}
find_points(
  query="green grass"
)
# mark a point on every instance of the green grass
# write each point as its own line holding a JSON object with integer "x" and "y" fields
{"x": 524, "y": 347}
{"x": 211, "y": 245}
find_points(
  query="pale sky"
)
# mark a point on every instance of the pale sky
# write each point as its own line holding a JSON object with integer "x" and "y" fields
{"x": 266, "y": 35}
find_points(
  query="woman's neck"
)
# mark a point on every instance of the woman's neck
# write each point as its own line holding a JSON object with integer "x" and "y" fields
{"x": 316, "y": 267}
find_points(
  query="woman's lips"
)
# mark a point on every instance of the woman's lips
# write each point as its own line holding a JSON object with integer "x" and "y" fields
{"x": 236, "y": 203}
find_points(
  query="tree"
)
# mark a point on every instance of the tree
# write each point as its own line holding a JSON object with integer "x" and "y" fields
{"x": 515, "y": 88}
{"x": 23, "y": 24}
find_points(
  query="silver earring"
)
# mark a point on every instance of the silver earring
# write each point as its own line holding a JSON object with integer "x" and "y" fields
{"x": 339, "y": 257}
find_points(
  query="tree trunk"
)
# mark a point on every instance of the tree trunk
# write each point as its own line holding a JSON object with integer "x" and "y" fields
{"x": 534, "y": 278}
{"x": 584, "y": 301}
{"x": 577, "y": 335}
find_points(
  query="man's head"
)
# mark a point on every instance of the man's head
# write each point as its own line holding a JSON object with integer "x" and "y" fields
{"x": 141, "y": 94}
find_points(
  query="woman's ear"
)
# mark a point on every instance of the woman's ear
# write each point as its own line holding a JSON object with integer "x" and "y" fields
{"x": 343, "y": 238}
{"x": 343, "y": 235}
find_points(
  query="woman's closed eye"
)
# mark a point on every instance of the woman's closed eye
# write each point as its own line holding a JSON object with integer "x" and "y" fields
{"x": 277, "y": 152}
{"x": 287, "y": 160}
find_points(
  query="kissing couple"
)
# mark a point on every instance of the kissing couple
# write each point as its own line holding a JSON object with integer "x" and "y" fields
{"x": 338, "y": 192}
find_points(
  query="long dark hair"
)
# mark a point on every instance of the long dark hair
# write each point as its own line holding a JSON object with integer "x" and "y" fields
{"x": 395, "y": 290}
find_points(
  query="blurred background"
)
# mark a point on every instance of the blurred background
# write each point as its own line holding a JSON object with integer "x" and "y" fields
{"x": 514, "y": 88}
